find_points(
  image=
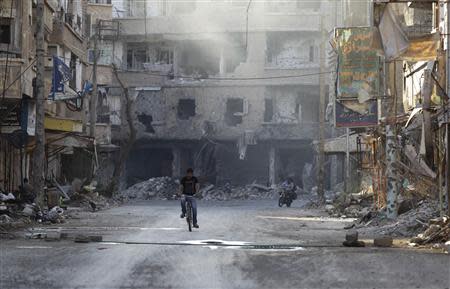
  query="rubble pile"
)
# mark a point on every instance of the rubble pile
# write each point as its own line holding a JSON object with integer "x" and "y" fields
{"x": 407, "y": 224}
{"x": 249, "y": 192}
{"x": 350, "y": 205}
{"x": 438, "y": 231}
{"x": 163, "y": 188}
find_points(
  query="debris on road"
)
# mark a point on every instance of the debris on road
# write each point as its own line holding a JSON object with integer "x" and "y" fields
{"x": 351, "y": 240}
{"x": 165, "y": 188}
{"x": 384, "y": 241}
{"x": 438, "y": 231}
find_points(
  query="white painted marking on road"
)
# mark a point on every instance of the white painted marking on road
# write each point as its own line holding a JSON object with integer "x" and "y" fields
{"x": 111, "y": 243}
{"x": 311, "y": 219}
{"x": 215, "y": 242}
{"x": 162, "y": 229}
{"x": 292, "y": 249}
{"x": 33, "y": 247}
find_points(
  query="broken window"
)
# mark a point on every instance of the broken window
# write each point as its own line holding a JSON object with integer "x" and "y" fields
{"x": 186, "y": 109}
{"x": 287, "y": 50}
{"x": 234, "y": 111}
{"x": 146, "y": 120}
{"x": 73, "y": 67}
{"x": 308, "y": 107}
{"x": 196, "y": 60}
{"x": 5, "y": 30}
{"x": 268, "y": 111}
{"x": 161, "y": 55}
{"x": 136, "y": 56}
{"x": 311, "y": 53}
{"x": 136, "y": 8}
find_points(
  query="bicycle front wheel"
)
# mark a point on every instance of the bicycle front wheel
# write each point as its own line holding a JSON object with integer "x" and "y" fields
{"x": 189, "y": 216}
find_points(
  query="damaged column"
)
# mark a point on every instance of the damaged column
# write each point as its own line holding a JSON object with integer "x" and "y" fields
{"x": 176, "y": 162}
{"x": 272, "y": 165}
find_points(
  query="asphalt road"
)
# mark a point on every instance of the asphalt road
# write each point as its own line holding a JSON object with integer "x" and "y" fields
{"x": 147, "y": 245}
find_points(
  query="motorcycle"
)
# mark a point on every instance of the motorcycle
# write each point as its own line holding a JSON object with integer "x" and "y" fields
{"x": 286, "y": 198}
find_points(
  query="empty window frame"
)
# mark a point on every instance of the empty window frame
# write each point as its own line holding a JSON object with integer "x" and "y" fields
{"x": 5, "y": 31}
{"x": 235, "y": 111}
{"x": 136, "y": 57}
{"x": 268, "y": 110}
{"x": 186, "y": 109}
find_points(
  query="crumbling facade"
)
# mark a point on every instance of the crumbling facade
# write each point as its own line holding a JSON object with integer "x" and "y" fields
{"x": 65, "y": 114}
{"x": 230, "y": 88}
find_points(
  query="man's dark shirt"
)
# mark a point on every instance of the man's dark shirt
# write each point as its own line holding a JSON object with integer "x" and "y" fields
{"x": 189, "y": 185}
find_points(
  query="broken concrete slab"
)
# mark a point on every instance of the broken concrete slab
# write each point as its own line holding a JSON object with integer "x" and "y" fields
{"x": 96, "y": 238}
{"x": 53, "y": 236}
{"x": 351, "y": 236}
{"x": 384, "y": 241}
{"x": 354, "y": 244}
{"x": 82, "y": 239}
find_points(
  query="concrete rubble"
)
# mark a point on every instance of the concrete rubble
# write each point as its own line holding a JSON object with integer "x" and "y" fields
{"x": 437, "y": 232}
{"x": 166, "y": 188}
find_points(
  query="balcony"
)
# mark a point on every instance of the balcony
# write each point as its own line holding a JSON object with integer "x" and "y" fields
{"x": 14, "y": 87}
{"x": 64, "y": 34}
{"x": 217, "y": 23}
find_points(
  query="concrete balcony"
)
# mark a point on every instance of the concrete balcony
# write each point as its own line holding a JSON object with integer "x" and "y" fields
{"x": 64, "y": 35}
{"x": 217, "y": 23}
{"x": 14, "y": 83}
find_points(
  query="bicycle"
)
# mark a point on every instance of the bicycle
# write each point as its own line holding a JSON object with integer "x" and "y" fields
{"x": 189, "y": 215}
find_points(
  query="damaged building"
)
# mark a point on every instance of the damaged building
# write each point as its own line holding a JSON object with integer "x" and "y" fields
{"x": 230, "y": 88}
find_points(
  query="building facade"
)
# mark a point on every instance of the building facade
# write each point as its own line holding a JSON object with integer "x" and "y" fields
{"x": 65, "y": 115}
{"x": 228, "y": 87}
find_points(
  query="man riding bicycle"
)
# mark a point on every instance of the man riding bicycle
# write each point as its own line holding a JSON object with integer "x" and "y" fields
{"x": 189, "y": 186}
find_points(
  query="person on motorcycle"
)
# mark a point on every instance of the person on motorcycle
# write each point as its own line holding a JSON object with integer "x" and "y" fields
{"x": 289, "y": 187}
{"x": 189, "y": 186}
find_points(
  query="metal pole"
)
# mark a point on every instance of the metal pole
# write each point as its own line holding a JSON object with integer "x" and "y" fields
{"x": 347, "y": 158}
{"x": 39, "y": 151}
{"x": 391, "y": 147}
{"x": 447, "y": 76}
{"x": 321, "y": 159}
{"x": 93, "y": 100}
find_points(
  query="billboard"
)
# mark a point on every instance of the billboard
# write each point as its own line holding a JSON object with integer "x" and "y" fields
{"x": 358, "y": 76}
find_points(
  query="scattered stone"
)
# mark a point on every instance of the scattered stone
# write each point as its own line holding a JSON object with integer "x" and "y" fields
{"x": 6, "y": 219}
{"x": 82, "y": 239}
{"x": 53, "y": 236}
{"x": 350, "y": 226}
{"x": 352, "y": 236}
{"x": 329, "y": 208}
{"x": 447, "y": 246}
{"x": 438, "y": 231}
{"x": 384, "y": 241}
{"x": 28, "y": 210}
{"x": 165, "y": 188}
{"x": 96, "y": 238}
{"x": 354, "y": 244}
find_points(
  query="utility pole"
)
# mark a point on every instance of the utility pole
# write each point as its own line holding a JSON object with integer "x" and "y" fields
{"x": 426, "y": 96}
{"x": 38, "y": 169}
{"x": 93, "y": 100}
{"x": 347, "y": 160}
{"x": 391, "y": 145}
{"x": 321, "y": 158}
